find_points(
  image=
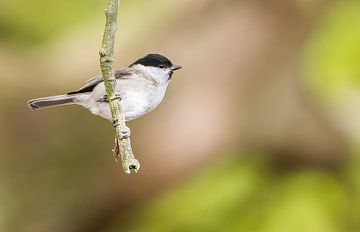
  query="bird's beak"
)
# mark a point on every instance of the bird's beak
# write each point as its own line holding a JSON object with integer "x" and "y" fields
{"x": 175, "y": 67}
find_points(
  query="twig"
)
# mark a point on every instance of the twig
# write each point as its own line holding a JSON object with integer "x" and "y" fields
{"x": 122, "y": 140}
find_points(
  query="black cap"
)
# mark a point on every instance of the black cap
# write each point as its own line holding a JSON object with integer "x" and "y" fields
{"x": 154, "y": 60}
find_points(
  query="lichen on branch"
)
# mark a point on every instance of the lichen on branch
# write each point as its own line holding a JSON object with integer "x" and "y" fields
{"x": 122, "y": 140}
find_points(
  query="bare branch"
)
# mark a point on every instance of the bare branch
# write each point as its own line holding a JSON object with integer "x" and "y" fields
{"x": 122, "y": 139}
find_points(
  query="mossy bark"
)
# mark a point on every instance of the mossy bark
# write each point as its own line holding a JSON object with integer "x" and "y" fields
{"x": 122, "y": 132}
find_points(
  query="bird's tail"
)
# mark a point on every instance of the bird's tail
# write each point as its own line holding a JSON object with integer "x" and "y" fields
{"x": 51, "y": 101}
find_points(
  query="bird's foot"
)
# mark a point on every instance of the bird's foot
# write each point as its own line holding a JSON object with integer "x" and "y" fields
{"x": 117, "y": 97}
{"x": 105, "y": 99}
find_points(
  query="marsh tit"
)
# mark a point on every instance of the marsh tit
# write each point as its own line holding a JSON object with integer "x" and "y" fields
{"x": 141, "y": 86}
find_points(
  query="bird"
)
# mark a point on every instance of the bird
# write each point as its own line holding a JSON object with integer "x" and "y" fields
{"x": 141, "y": 86}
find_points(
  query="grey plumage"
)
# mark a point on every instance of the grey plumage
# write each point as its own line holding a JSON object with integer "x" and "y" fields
{"x": 50, "y": 101}
{"x": 142, "y": 87}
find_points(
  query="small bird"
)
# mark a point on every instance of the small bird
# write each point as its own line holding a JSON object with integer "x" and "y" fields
{"x": 141, "y": 86}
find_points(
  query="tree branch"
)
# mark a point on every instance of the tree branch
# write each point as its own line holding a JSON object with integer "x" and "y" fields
{"x": 122, "y": 140}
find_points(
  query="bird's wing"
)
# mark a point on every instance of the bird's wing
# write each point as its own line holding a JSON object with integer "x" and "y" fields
{"x": 93, "y": 82}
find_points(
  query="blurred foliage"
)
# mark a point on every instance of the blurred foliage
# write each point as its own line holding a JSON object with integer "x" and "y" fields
{"x": 29, "y": 22}
{"x": 235, "y": 195}
{"x": 34, "y": 22}
{"x": 333, "y": 53}
{"x": 248, "y": 195}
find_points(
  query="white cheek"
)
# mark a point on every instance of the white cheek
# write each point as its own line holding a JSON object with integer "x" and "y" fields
{"x": 158, "y": 74}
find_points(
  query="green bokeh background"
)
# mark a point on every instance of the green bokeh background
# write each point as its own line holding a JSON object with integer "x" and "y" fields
{"x": 332, "y": 55}
{"x": 250, "y": 193}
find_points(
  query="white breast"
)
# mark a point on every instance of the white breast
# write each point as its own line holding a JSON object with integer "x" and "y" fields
{"x": 139, "y": 95}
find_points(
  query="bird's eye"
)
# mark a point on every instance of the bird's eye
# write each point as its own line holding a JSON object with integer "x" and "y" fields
{"x": 161, "y": 66}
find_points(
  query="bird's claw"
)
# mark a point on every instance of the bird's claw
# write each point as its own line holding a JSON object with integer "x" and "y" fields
{"x": 117, "y": 97}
